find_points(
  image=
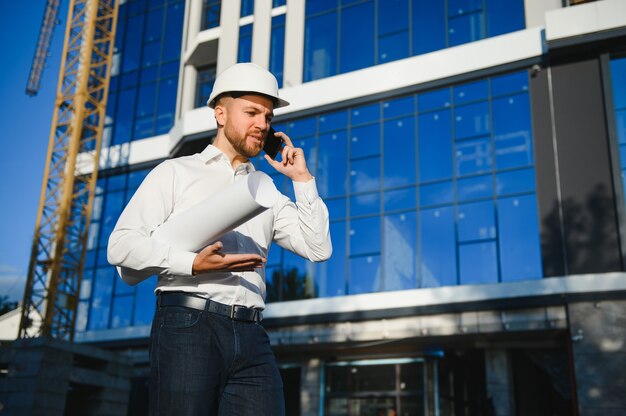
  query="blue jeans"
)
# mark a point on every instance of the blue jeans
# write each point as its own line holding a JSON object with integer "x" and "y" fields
{"x": 207, "y": 364}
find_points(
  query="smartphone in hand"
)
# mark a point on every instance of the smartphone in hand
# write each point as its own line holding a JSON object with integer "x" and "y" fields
{"x": 273, "y": 144}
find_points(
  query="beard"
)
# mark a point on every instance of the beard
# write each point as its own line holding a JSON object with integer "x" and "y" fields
{"x": 239, "y": 142}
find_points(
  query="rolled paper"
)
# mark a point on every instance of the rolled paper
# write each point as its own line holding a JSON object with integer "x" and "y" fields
{"x": 195, "y": 228}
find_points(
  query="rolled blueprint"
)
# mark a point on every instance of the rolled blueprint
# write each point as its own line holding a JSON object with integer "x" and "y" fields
{"x": 223, "y": 211}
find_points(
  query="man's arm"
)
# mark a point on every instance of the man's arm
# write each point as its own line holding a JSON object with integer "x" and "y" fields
{"x": 302, "y": 227}
{"x": 138, "y": 256}
{"x": 130, "y": 245}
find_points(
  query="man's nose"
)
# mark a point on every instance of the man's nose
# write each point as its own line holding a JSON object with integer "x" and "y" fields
{"x": 261, "y": 123}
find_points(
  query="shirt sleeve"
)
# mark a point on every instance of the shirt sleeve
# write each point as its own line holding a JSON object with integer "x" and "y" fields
{"x": 303, "y": 227}
{"x": 130, "y": 247}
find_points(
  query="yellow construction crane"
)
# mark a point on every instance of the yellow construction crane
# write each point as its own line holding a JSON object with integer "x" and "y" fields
{"x": 67, "y": 193}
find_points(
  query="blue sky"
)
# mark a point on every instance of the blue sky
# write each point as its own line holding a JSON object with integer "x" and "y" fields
{"x": 25, "y": 128}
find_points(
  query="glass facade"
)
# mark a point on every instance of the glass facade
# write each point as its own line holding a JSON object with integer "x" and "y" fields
{"x": 346, "y": 35}
{"x": 105, "y": 300}
{"x": 204, "y": 85}
{"x": 618, "y": 81}
{"x": 211, "y": 13}
{"x": 426, "y": 190}
{"x": 247, "y": 7}
{"x": 244, "y": 51}
{"x": 277, "y": 48}
{"x": 144, "y": 78}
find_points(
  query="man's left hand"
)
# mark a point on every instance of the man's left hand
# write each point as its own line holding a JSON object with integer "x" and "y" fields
{"x": 293, "y": 163}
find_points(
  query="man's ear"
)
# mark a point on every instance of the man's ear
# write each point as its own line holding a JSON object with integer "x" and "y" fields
{"x": 220, "y": 114}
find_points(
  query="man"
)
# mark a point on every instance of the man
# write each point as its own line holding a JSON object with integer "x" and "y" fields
{"x": 208, "y": 354}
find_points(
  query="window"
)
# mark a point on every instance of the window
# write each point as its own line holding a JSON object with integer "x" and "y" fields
{"x": 204, "y": 85}
{"x": 144, "y": 79}
{"x": 277, "y": 48}
{"x": 618, "y": 81}
{"x": 376, "y": 387}
{"x": 244, "y": 52}
{"x": 423, "y": 190}
{"x": 247, "y": 7}
{"x": 105, "y": 300}
{"x": 346, "y": 35}
{"x": 618, "y": 87}
{"x": 211, "y": 13}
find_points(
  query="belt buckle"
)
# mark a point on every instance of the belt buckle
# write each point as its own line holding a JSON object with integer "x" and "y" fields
{"x": 232, "y": 311}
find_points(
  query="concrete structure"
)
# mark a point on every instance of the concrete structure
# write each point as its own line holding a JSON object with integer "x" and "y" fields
{"x": 471, "y": 159}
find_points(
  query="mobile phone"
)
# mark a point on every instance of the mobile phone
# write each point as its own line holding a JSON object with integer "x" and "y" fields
{"x": 272, "y": 144}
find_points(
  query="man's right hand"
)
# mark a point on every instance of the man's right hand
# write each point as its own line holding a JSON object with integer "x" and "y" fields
{"x": 211, "y": 259}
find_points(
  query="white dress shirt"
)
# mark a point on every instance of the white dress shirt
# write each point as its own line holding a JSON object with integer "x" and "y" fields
{"x": 178, "y": 184}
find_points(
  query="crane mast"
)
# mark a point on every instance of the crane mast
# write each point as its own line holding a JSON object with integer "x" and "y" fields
{"x": 61, "y": 229}
{"x": 50, "y": 18}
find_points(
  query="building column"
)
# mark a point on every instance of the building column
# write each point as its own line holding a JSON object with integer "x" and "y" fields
{"x": 535, "y": 11}
{"x": 229, "y": 35}
{"x": 262, "y": 32}
{"x": 193, "y": 22}
{"x": 294, "y": 43}
{"x": 310, "y": 388}
{"x": 499, "y": 381}
{"x": 598, "y": 348}
{"x": 187, "y": 77}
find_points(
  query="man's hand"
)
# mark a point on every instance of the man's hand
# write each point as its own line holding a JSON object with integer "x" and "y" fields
{"x": 293, "y": 163}
{"x": 210, "y": 259}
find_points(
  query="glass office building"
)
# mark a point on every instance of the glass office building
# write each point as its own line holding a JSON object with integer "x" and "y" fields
{"x": 472, "y": 157}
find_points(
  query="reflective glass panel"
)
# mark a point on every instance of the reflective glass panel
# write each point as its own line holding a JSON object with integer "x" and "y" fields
{"x": 399, "y": 152}
{"x": 332, "y": 172}
{"x": 277, "y": 48}
{"x": 365, "y": 204}
{"x": 516, "y": 181}
{"x": 504, "y": 16}
{"x": 320, "y": 45}
{"x": 473, "y": 156}
{"x": 357, "y": 37}
{"x": 520, "y": 254}
{"x": 365, "y": 175}
{"x": 436, "y": 193}
{"x": 365, "y": 236}
{"x": 477, "y": 187}
{"x": 478, "y": 263}
{"x": 399, "y": 107}
{"x": 244, "y": 53}
{"x": 400, "y": 199}
{"x": 364, "y": 275}
{"x": 438, "y": 247}
{"x": 434, "y": 133}
{"x": 331, "y": 274}
{"x": 365, "y": 141}
{"x": 471, "y": 120}
{"x": 512, "y": 131}
{"x": 466, "y": 28}
{"x": 145, "y": 302}
{"x": 429, "y": 26}
{"x": 400, "y": 253}
{"x": 122, "y": 311}
{"x": 476, "y": 221}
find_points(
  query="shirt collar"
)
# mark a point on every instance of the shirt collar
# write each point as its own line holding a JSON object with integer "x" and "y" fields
{"x": 211, "y": 152}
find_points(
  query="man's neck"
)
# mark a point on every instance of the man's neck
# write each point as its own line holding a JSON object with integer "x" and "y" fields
{"x": 222, "y": 143}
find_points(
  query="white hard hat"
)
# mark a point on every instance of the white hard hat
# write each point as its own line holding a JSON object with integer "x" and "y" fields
{"x": 246, "y": 78}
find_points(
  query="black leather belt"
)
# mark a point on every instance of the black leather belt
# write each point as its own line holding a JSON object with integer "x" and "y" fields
{"x": 190, "y": 300}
